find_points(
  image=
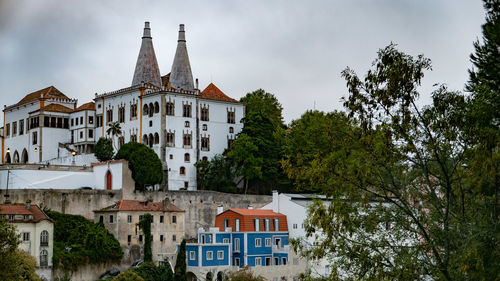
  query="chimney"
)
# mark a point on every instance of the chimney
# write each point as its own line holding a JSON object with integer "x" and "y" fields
{"x": 250, "y": 207}
{"x": 197, "y": 83}
{"x": 220, "y": 209}
{"x": 276, "y": 203}
{"x": 28, "y": 204}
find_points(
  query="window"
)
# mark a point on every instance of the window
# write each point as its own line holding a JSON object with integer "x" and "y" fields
{"x": 186, "y": 124}
{"x": 7, "y": 130}
{"x": 14, "y": 128}
{"x": 157, "y": 107}
{"x": 231, "y": 130}
{"x": 44, "y": 258}
{"x": 258, "y": 261}
{"x": 171, "y": 156}
{"x": 129, "y": 218}
{"x": 161, "y": 238}
{"x": 186, "y": 157}
{"x": 237, "y": 225}
{"x": 21, "y": 127}
{"x": 145, "y": 110}
{"x": 187, "y": 140}
{"x": 101, "y": 219}
{"x": 186, "y": 185}
{"x": 220, "y": 255}
{"x": 267, "y": 225}
{"x": 277, "y": 242}
{"x": 91, "y": 119}
{"x": 204, "y": 114}
{"x": 65, "y": 123}
{"x": 204, "y": 127}
{"x": 60, "y": 122}
{"x": 150, "y": 123}
{"x": 210, "y": 255}
{"x": 35, "y": 137}
{"x": 121, "y": 114}
{"x": 91, "y": 133}
{"x": 204, "y": 158}
{"x": 145, "y": 139}
{"x": 140, "y": 217}
{"x": 276, "y": 224}
{"x": 157, "y": 138}
{"x": 81, "y": 134}
{"x": 110, "y": 218}
{"x": 230, "y": 117}
{"x": 99, "y": 121}
{"x": 258, "y": 242}
{"x": 182, "y": 171}
{"x": 109, "y": 116}
{"x": 34, "y": 122}
{"x": 237, "y": 261}
{"x": 226, "y": 223}
{"x": 387, "y": 225}
{"x": 205, "y": 144}
{"x": 225, "y": 240}
{"x": 151, "y": 110}
{"x": 26, "y": 236}
{"x": 169, "y": 109}
{"x": 268, "y": 242}
{"x": 186, "y": 110}
{"x": 44, "y": 238}
{"x": 81, "y": 120}
{"x": 161, "y": 219}
{"x": 268, "y": 261}
{"x": 76, "y": 120}
{"x": 229, "y": 142}
{"x": 283, "y": 261}
{"x": 133, "y": 111}
{"x": 192, "y": 255}
{"x": 72, "y": 122}
{"x": 174, "y": 219}
{"x": 129, "y": 239}
{"x": 170, "y": 139}
{"x": 133, "y": 138}
{"x": 257, "y": 224}
{"x": 140, "y": 238}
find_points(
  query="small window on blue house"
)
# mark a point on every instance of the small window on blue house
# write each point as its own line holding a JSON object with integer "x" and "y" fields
{"x": 268, "y": 242}
{"x": 192, "y": 255}
{"x": 257, "y": 224}
{"x": 283, "y": 261}
{"x": 237, "y": 225}
{"x": 237, "y": 245}
{"x": 225, "y": 240}
{"x": 258, "y": 261}
{"x": 237, "y": 261}
{"x": 220, "y": 255}
{"x": 210, "y": 255}
{"x": 258, "y": 242}
{"x": 276, "y": 224}
{"x": 267, "y": 224}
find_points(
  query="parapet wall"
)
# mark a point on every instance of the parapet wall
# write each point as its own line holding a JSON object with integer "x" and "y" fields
{"x": 200, "y": 206}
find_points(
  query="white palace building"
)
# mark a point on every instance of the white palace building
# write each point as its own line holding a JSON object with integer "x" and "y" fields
{"x": 168, "y": 113}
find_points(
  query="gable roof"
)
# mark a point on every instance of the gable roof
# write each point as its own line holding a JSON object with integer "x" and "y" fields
{"x": 211, "y": 92}
{"x": 247, "y": 219}
{"x": 255, "y": 212}
{"x": 49, "y": 92}
{"x": 54, "y": 107}
{"x": 141, "y": 205}
{"x": 20, "y": 209}
{"x": 86, "y": 106}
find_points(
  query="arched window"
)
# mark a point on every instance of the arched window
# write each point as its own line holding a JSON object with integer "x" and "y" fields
{"x": 145, "y": 110}
{"x": 157, "y": 107}
{"x": 44, "y": 238}
{"x": 16, "y": 157}
{"x": 24, "y": 157}
{"x": 44, "y": 258}
{"x": 151, "y": 140}
{"x": 157, "y": 138}
{"x": 109, "y": 180}
{"x": 182, "y": 171}
{"x": 151, "y": 109}
{"x": 7, "y": 158}
{"x": 145, "y": 139}
{"x": 204, "y": 158}
{"x": 186, "y": 157}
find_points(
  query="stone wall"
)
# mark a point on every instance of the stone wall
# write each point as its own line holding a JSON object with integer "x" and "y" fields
{"x": 200, "y": 206}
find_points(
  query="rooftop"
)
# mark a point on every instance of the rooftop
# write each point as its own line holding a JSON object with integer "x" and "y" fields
{"x": 86, "y": 106}
{"x": 141, "y": 205}
{"x": 255, "y": 212}
{"x": 49, "y": 92}
{"x": 53, "y": 107}
{"x": 23, "y": 209}
{"x": 211, "y": 92}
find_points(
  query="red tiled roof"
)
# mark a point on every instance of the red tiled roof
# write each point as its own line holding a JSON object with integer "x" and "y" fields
{"x": 256, "y": 212}
{"x": 20, "y": 209}
{"x": 211, "y": 92}
{"x": 49, "y": 92}
{"x": 54, "y": 107}
{"x": 86, "y": 106}
{"x": 140, "y": 205}
{"x": 247, "y": 216}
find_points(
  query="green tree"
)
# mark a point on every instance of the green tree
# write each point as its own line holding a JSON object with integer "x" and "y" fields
{"x": 128, "y": 275}
{"x": 403, "y": 166}
{"x": 114, "y": 129}
{"x": 244, "y": 275}
{"x": 180, "y": 263}
{"x": 145, "y": 225}
{"x": 265, "y": 103}
{"x": 144, "y": 163}
{"x": 216, "y": 174}
{"x": 103, "y": 150}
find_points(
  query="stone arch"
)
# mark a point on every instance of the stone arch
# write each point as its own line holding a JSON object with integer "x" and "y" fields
{"x": 220, "y": 276}
{"x": 7, "y": 158}
{"x": 16, "y": 157}
{"x": 24, "y": 156}
{"x": 210, "y": 276}
{"x": 109, "y": 180}
{"x": 190, "y": 276}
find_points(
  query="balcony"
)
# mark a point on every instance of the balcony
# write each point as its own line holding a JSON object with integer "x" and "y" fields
{"x": 283, "y": 249}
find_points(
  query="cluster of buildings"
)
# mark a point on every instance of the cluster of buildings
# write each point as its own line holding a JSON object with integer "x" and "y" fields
{"x": 168, "y": 113}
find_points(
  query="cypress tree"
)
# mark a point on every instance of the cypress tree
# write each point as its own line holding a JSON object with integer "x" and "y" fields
{"x": 180, "y": 263}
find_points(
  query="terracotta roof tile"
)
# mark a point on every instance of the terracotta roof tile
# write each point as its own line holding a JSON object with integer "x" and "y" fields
{"x": 20, "y": 209}
{"x": 140, "y": 205}
{"x": 86, "y": 106}
{"x": 211, "y": 92}
{"x": 54, "y": 107}
{"x": 49, "y": 92}
{"x": 247, "y": 222}
{"x": 256, "y": 212}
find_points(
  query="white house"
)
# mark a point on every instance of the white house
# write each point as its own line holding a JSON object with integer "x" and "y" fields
{"x": 37, "y": 233}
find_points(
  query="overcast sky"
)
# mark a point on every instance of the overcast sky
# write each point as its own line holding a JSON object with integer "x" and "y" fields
{"x": 293, "y": 49}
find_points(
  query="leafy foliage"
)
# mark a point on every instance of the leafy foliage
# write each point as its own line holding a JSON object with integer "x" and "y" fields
{"x": 216, "y": 174}
{"x": 244, "y": 275}
{"x": 149, "y": 272}
{"x": 145, "y": 225}
{"x": 265, "y": 103}
{"x": 103, "y": 149}
{"x": 180, "y": 263}
{"x": 128, "y": 275}
{"x": 144, "y": 163}
{"x": 78, "y": 241}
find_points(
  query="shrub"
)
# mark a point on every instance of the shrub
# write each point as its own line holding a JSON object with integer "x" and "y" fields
{"x": 103, "y": 150}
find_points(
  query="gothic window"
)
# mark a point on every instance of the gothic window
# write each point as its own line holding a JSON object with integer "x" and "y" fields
{"x": 186, "y": 110}
{"x": 121, "y": 141}
{"x": 44, "y": 238}
{"x": 21, "y": 127}
{"x": 7, "y": 129}
{"x": 109, "y": 116}
{"x": 170, "y": 139}
{"x": 186, "y": 157}
{"x": 121, "y": 114}
{"x": 145, "y": 110}
{"x": 151, "y": 109}
{"x": 151, "y": 140}
{"x": 170, "y": 108}
{"x": 229, "y": 142}
{"x": 230, "y": 117}
{"x": 231, "y": 130}
{"x": 187, "y": 140}
{"x": 204, "y": 158}
{"x": 14, "y": 128}
{"x": 133, "y": 138}
{"x": 157, "y": 107}
{"x": 204, "y": 114}
{"x": 157, "y": 138}
{"x": 133, "y": 111}
{"x": 145, "y": 139}
{"x": 44, "y": 258}
{"x": 182, "y": 171}
{"x": 205, "y": 143}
